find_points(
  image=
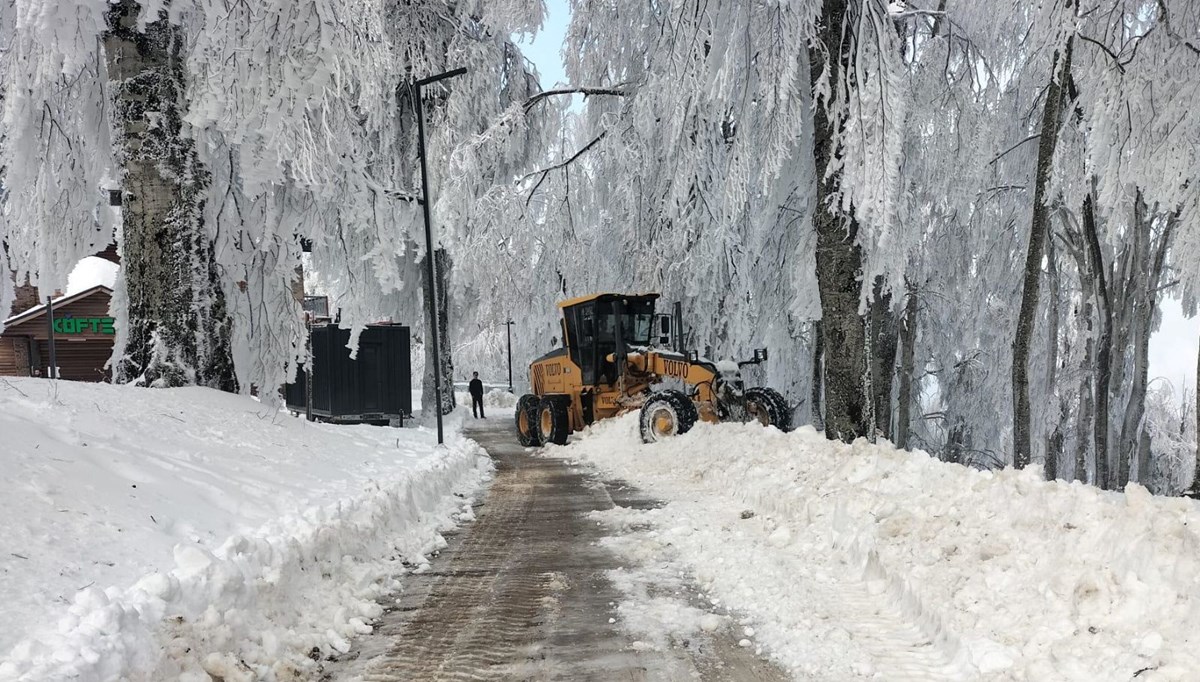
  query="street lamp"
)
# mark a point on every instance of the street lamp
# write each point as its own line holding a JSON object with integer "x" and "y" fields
{"x": 508, "y": 333}
{"x": 429, "y": 251}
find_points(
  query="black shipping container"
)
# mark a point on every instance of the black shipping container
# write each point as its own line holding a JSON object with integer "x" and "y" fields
{"x": 375, "y": 387}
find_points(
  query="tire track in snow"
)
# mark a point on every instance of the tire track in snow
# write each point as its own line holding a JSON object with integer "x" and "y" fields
{"x": 899, "y": 649}
{"x": 522, "y": 594}
{"x": 478, "y": 609}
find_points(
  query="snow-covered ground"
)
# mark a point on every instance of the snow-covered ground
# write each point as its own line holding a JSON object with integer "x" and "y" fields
{"x": 187, "y": 533}
{"x": 865, "y": 562}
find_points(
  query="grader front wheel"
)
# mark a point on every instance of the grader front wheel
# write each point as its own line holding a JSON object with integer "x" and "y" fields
{"x": 665, "y": 414}
{"x": 769, "y": 408}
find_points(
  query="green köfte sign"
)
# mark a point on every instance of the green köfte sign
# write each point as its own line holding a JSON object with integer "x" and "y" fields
{"x": 83, "y": 325}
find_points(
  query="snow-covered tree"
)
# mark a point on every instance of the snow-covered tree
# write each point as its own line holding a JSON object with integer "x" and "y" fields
{"x": 57, "y": 156}
{"x": 263, "y": 124}
{"x": 951, "y": 221}
{"x": 173, "y": 329}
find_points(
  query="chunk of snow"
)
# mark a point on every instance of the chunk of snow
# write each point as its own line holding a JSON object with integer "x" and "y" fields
{"x": 780, "y": 537}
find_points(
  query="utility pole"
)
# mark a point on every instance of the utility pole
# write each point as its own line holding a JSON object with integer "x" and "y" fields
{"x": 508, "y": 333}
{"x": 429, "y": 250}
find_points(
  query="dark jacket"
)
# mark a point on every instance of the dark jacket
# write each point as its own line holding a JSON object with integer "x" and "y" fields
{"x": 476, "y": 388}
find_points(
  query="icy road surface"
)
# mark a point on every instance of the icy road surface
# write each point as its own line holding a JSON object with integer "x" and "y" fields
{"x": 525, "y": 593}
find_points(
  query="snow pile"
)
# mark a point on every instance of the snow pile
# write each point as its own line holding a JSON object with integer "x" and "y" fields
{"x": 90, "y": 272}
{"x": 857, "y": 561}
{"x": 188, "y": 534}
{"x": 496, "y": 398}
{"x": 500, "y": 399}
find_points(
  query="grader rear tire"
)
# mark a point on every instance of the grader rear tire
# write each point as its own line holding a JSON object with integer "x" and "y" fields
{"x": 665, "y": 414}
{"x": 526, "y": 417}
{"x": 769, "y": 408}
{"x": 553, "y": 422}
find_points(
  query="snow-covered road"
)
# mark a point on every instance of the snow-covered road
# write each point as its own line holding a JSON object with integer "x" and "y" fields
{"x": 864, "y": 562}
{"x": 526, "y": 593}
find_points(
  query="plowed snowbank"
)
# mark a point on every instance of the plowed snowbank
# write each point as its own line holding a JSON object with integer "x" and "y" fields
{"x": 183, "y": 533}
{"x": 861, "y": 560}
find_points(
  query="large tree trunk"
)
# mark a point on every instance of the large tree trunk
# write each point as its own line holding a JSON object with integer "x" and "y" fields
{"x": 838, "y": 254}
{"x": 1054, "y": 439}
{"x": 883, "y": 357}
{"x": 1132, "y": 428}
{"x": 818, "y": 372}
{"x": 1051, "y": 120}
{"x": 174, "y": 329}
{"x": 1084, "y": 432}
{"x": 441, "y": 268}
{"x": 1104, "y": 344}
{"x": 908, "y": 341}
{"x": 1125, "y": 287}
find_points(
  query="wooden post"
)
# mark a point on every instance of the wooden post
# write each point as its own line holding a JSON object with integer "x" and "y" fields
{"x": 50, "y": 325}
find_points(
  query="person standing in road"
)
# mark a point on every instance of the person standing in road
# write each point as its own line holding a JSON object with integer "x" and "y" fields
{"x": 476, "y": 389}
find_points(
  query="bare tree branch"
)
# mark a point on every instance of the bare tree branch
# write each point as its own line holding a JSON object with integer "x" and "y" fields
{"x": 1010, "y": 149}
{"x": 549, "y": 169}
{"x": 1166, "y": 18}
{"x": 1116, "y": 62}
{"x": 1003, "y": 188}
{"x": 586, "y": 92}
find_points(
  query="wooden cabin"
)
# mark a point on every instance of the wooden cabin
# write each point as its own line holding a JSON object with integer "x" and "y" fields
{"x": 83, "y": 335}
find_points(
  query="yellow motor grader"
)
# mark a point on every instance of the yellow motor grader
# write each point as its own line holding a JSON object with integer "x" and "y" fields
{"x": 616, "y": 358}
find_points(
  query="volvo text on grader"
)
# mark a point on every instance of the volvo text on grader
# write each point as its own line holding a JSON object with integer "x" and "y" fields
{"x": 614, "y": 360}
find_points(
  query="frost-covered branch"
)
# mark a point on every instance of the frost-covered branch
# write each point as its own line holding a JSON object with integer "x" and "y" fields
{"x": 563, "y": 164}
{"x": 586, "y": 92}
{"x": 1165, "y": 15}
{"x": 1013, "y": 148}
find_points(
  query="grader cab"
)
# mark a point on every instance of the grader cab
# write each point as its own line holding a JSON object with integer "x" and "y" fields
{"x": 616, "y": 357}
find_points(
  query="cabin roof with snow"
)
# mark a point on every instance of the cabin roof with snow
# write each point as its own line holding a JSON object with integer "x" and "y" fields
{"x": 84, "y": 333}
{"x": 91, "y": 303}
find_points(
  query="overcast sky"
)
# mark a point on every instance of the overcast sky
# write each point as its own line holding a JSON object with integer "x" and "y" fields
{"x": 1173, "y": 348}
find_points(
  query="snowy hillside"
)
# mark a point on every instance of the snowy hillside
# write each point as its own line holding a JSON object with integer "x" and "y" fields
{"x": 149, "y": 534}
{"x": 845, "y": 561}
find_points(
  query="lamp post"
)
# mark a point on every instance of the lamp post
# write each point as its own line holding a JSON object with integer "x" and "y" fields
{"x": 508, "y": 334}
{"x": 429, "y": 250}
